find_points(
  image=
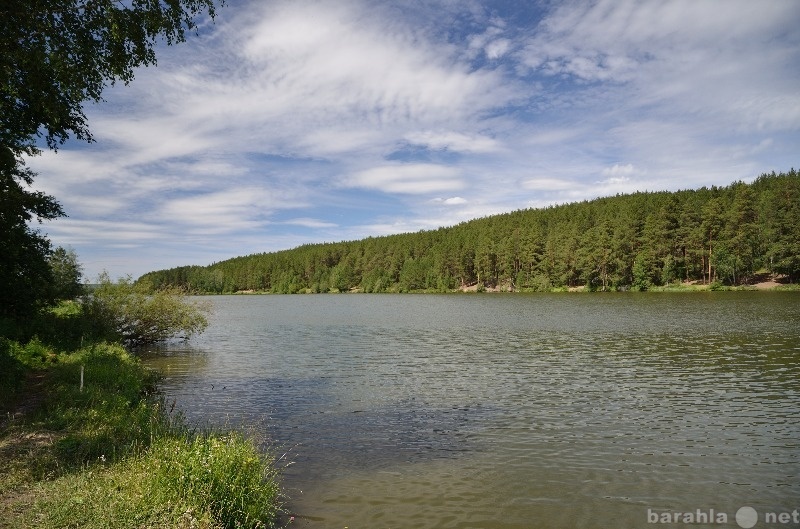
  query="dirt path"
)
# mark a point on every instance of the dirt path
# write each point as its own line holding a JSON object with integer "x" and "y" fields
{"x": 31, "y": 398}
{"x": 24, "y": 450}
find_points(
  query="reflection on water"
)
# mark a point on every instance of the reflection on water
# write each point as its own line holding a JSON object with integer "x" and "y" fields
{"x": 506, "y": 411}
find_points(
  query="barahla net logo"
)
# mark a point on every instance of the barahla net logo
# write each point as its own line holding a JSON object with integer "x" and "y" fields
{"x": 746, "y": 517}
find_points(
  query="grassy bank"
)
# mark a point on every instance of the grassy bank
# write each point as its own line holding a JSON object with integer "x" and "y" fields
{"x": 111, "y": 454}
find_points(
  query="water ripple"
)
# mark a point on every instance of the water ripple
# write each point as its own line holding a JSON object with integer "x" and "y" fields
{"x": 508, "y": 411}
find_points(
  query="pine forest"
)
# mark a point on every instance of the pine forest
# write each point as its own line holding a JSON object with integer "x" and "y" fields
{"x": 716, "y": 236}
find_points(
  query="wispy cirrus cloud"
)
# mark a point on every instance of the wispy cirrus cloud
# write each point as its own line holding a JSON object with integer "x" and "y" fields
{"x": 452, "y": 201}
{"x": 300, "y": 121}
{"x": 310, "y": 223}
{"x": 415, "y": 179}
{"x": 454, "y": 141}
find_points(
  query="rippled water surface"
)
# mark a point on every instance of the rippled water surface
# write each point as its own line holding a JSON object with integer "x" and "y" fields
{"x": 508, "y": 411}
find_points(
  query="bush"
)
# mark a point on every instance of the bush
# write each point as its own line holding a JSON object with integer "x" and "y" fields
{"x": 35, "y": 354}
{"x": 135, "y": 315}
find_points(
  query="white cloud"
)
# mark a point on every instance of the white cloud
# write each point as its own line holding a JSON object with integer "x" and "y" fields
{"x": 408, "y": 178}
{"x": 347, "y": 70}
{"x": 618, "y": 171}
{"x": 452, "y": 201}
{"x": 762, "y": 146}
{"x": 453, "y": 141}
{"x": 293, "y": 110}
{"x": 75, "y": 167}
{"x": 497, "y": 48}
{"x": 687, "y": 56}
{"x": 309, "y": 223}
{"x": 491, "y": 42}
{"x": 548, "y": 184}
{"x": 227, "y": 210}
{"x": 79, "y": 232}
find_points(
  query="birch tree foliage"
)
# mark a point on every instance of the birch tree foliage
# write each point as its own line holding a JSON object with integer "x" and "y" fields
{"x": 59, "y": 54}
{"x": 55, "y": 56}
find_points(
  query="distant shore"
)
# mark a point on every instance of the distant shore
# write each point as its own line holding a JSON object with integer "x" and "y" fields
{"x": 774, "y": 284}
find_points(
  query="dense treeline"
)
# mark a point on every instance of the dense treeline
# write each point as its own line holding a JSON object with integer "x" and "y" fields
{"x": 637, "y": 241}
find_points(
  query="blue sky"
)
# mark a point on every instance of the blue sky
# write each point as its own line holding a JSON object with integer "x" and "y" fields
{"x": 290, "y": 122}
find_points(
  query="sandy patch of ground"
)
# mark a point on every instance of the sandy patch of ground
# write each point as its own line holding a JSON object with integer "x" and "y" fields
{"x": 498, "y": 288}
{"x": 767, "y": 281}
{"x": 766, "y": 285}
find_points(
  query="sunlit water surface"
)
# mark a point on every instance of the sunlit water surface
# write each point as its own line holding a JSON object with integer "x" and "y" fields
{"x": 508, "y": 411}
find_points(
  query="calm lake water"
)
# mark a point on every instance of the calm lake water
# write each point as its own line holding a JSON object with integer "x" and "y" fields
{"x": 509, "y": 411}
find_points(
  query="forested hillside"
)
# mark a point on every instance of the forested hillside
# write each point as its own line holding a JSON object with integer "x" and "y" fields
{"x": 623, "y": 242}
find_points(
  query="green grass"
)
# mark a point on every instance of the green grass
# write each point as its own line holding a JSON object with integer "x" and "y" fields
{"x": 112, "y": 455}
{"x": 790, "y": 287}
{"x": 208, "y": 480}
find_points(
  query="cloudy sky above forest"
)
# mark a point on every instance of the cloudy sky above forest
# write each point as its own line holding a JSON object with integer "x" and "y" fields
{"x": 291, "y": 122}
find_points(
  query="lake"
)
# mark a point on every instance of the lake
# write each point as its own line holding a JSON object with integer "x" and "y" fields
{"x": 509, "y": 411}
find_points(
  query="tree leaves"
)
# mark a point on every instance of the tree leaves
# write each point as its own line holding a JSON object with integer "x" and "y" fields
{"x": 55, "y": 55}
{"x": 59, "y": 54}
{"x": 24, "y": 272}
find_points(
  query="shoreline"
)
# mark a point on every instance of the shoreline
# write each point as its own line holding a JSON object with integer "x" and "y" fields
{"x": 694, "y": 286}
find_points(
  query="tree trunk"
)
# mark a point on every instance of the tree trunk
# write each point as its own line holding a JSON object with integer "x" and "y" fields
{"x": 710, "y": 277}
{"x": 686, "y": 264}
{"x": 703, "y": 268}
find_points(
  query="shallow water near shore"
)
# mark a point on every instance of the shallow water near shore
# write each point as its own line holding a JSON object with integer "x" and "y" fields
{"x": 508, "y": 411}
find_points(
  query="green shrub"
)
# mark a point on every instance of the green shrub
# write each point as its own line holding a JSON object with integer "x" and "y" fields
{"x": 136, "y": 315}
{"x": 35, "y": 354}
